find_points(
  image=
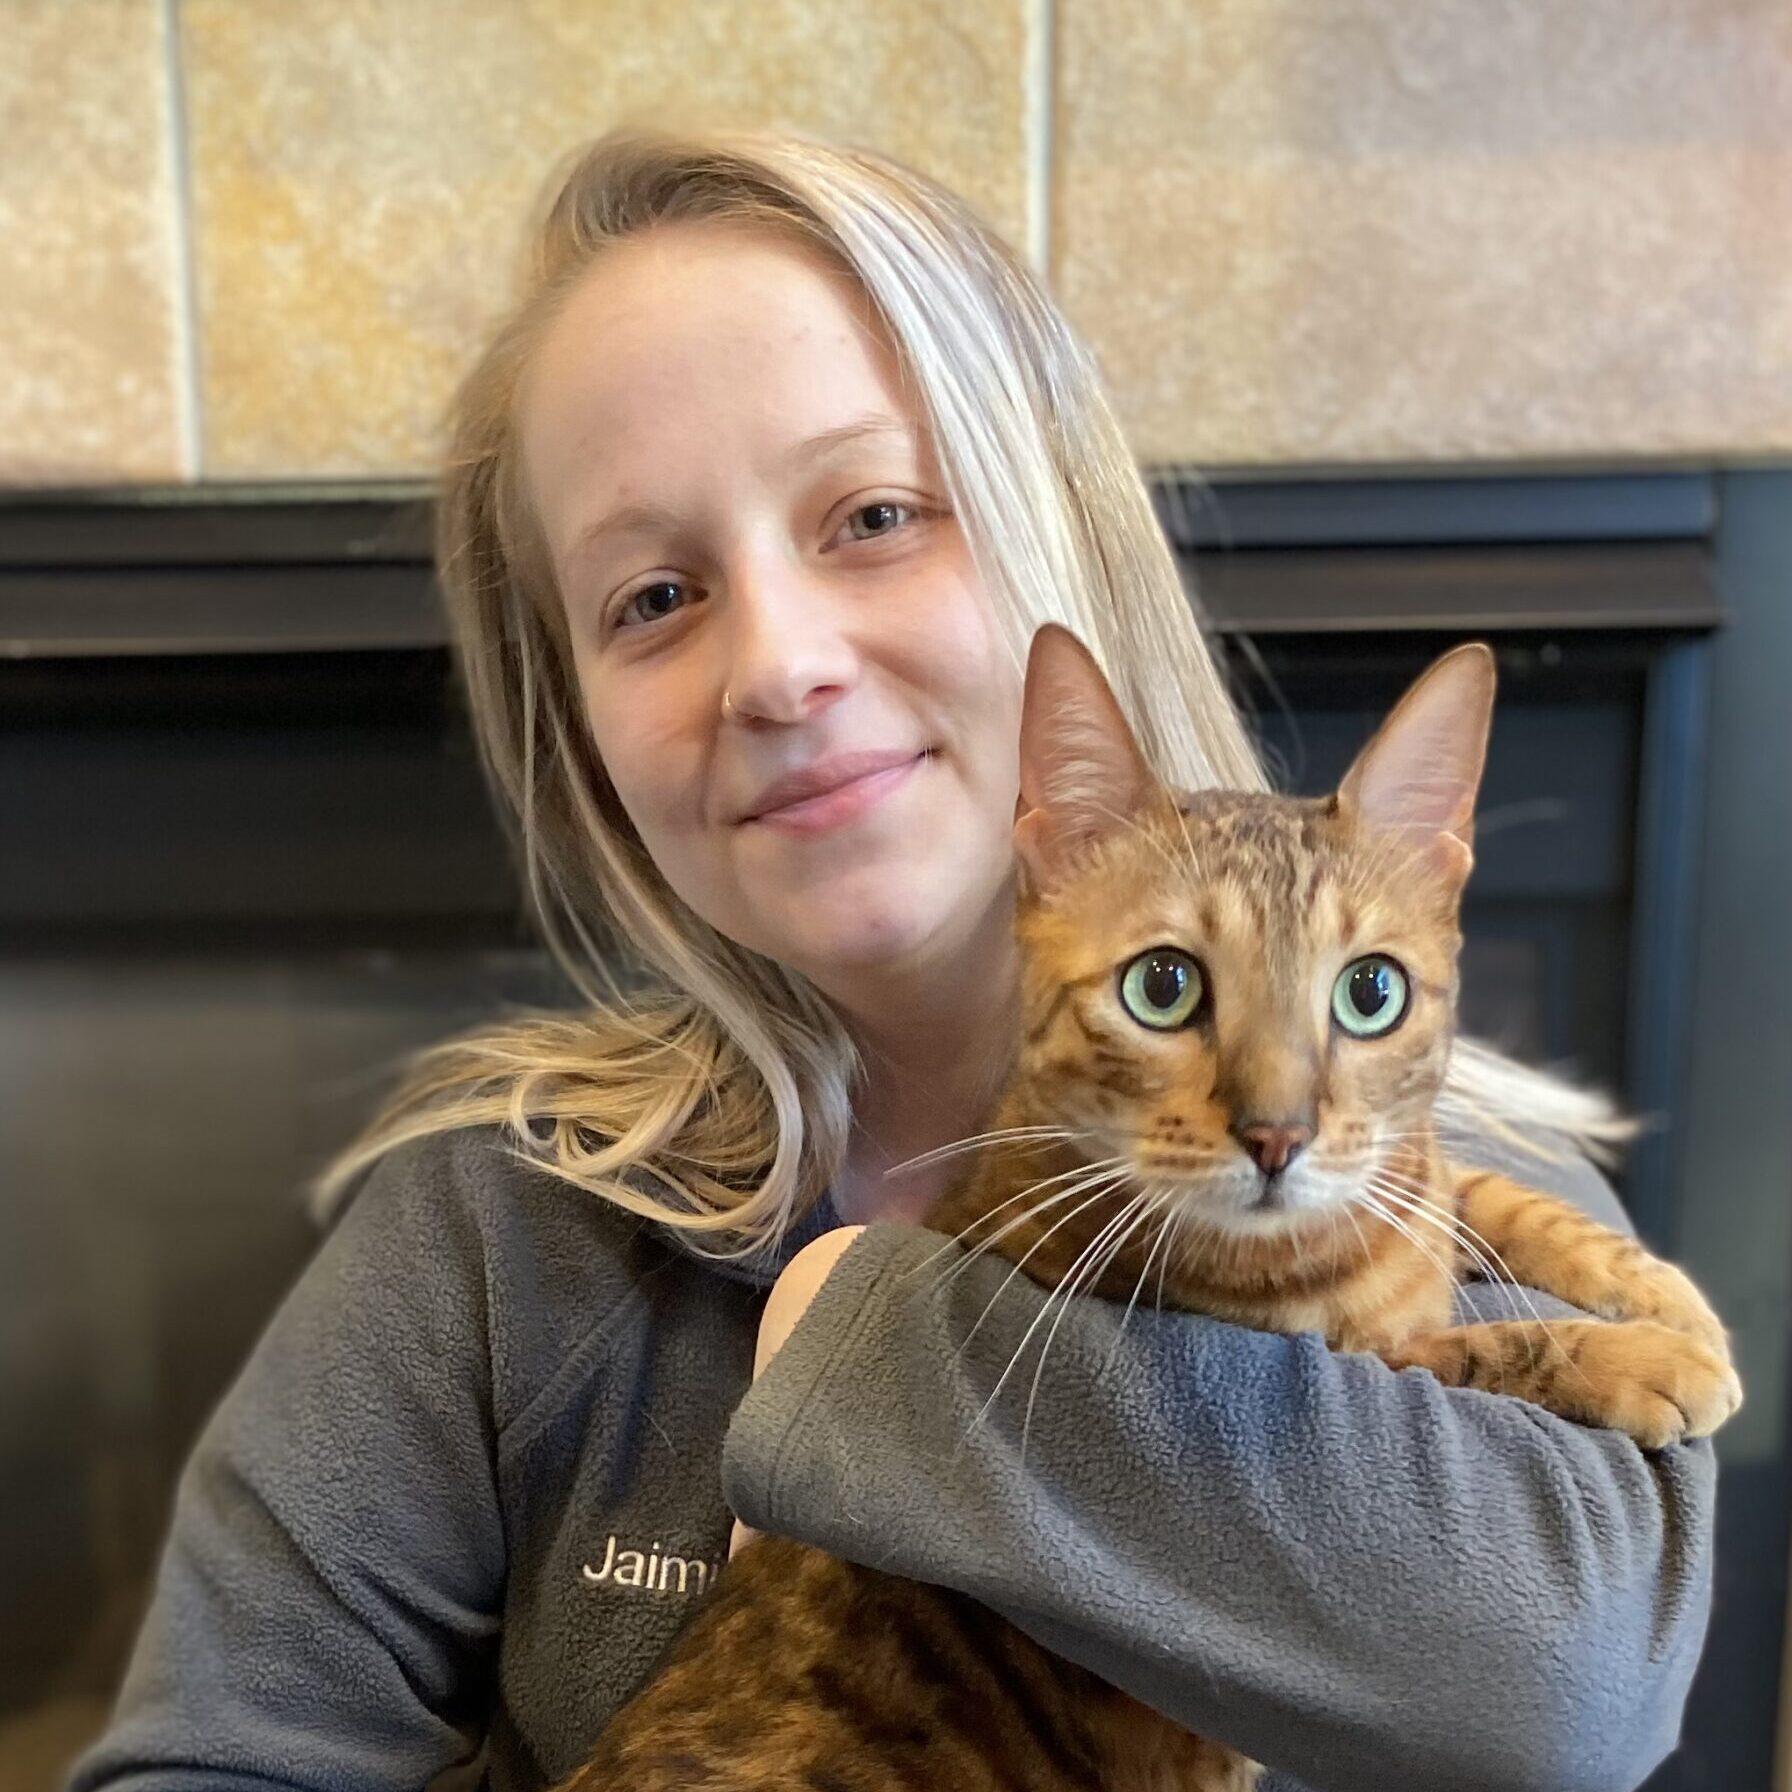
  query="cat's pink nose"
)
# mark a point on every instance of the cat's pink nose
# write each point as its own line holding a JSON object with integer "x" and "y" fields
{"x": 1272, "y": 1148}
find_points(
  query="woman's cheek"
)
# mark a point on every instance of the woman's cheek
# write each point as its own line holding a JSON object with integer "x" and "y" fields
{"x": 642, "y": 732}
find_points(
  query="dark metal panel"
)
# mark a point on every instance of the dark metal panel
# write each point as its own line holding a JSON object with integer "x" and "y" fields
{"x": 244, "y": 524}
{"x": 1247, "y": 509}
{"x": 1484, "y": 590}
{"x": 1669, "y": 819}
{"x": 1731, "y": 1223}
{"x": 159, "y": 1113}
{"x": 117, "y": 611}
{"x": 209, "y": 793}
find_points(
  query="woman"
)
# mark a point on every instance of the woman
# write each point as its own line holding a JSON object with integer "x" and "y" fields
{"x": 750, "y": 511}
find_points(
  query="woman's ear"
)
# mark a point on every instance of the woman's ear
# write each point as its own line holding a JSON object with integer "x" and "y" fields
{"x": 1419, "y": 776}
{"x": 1081, "y": 772}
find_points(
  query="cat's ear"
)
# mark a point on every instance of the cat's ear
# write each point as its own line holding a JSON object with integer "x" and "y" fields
{"x": 1419, "y": 775}
{"x": 1081, "y": 772}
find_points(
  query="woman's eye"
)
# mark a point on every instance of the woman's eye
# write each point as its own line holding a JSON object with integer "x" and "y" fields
{"x": 1369, "y": 997}
{"x": 649, "y": 604}
{"x": 884, "y": 508}
{"x": 1162, "y": 988}
{"x": 665, "y": 597}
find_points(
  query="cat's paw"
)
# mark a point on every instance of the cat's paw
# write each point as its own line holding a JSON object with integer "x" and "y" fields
{"x": 1654, "y": 1382}
{"x": 1671, "y": 1297}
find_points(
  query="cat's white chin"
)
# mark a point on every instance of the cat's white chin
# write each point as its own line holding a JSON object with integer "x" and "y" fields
{"x": 1265, "y": 1223}
{"x": 1241, "y": 1199}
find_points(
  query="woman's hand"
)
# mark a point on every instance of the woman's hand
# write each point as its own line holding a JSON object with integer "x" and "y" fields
{"x": 798, "y": 1283}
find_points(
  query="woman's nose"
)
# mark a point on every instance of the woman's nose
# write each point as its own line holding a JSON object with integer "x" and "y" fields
{"x": 790, "y": 650}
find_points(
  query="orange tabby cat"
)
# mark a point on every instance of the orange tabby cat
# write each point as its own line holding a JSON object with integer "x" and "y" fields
{"x": 1244, "y": 1003}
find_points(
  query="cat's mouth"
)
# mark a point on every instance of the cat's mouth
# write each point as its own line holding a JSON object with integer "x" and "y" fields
{"x": 1272, "y": 1196}
{"x": 1224, "y": 1186}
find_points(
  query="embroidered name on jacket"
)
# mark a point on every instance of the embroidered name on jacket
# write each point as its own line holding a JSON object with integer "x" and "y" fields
{"x": 652, "y": 1572}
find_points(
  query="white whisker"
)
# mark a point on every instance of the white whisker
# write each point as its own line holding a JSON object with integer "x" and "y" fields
{"x": 1034, "y": 1188}
{"x": 1122, "y": 1226}
{"x": 1001, "y": 1135}
{"x": 1159, "y": 1200}
{"x": 1481, "y": 1252}
{"x": 1405, "y": 1229}
{"x": 1388, "y": 1215}
{"x": 1085, "y": 1176}
{"x": 1108, "y": 1184}
{"x": 1100, "y": 1194}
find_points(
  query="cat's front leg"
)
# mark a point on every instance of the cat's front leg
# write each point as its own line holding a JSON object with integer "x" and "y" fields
{"x": 1545, "y": 1243}
{"x": 1654, "y": 1382}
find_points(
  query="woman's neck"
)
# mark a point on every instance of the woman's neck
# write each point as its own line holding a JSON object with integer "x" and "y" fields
{"x": 934, "y": 1062}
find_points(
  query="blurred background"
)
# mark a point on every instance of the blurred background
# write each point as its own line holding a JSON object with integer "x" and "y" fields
{"x": 1476, "y": 320}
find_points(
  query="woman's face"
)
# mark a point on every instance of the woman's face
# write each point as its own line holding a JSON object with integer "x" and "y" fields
{"x": 791, "y": 671}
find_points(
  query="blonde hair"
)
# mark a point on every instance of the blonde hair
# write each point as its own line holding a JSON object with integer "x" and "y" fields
{"x": 717, "y": 1099}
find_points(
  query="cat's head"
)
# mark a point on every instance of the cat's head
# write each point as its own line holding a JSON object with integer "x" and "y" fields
{"x": 1249, "y": 998}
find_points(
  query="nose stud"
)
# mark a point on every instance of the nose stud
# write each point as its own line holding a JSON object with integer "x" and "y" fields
{"x": 727, "y": 707}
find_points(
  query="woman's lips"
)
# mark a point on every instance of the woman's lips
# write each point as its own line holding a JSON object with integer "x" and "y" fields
{"x": 844, "y": 803}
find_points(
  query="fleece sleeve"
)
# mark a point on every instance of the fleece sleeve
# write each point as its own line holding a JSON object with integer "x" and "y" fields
{"x": 326, "y": 1605}
{"x": 1365, "y": 1580}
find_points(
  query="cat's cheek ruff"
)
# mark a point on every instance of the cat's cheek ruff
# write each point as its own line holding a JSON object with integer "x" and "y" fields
{"x": 1330, "y": 1190}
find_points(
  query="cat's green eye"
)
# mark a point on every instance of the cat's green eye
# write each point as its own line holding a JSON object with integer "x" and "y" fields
{"x": 1369, "y": 997}
{"x": 1162, "y": 988}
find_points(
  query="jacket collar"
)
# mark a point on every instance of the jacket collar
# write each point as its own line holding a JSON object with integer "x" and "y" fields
{"x": 761, "y": 1268}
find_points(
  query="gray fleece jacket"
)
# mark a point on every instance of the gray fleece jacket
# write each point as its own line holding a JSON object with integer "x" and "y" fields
{"x": 479, "y": 1471}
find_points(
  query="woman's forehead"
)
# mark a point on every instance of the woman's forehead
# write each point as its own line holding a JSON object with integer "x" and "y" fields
{"x": 712, "y": 310}
{"x": 656, "y": 364}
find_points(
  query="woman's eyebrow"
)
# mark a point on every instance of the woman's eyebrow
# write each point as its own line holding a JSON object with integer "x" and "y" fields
{"x": 630, "y": 519}
{"x": 873, "y": 423}
{"x": 647, "y": 515}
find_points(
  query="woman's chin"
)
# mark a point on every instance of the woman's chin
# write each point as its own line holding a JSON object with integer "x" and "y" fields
{"x": 880, "y": 919}
{"x": 868, "y": 935}
{"x": 868, "y": 943}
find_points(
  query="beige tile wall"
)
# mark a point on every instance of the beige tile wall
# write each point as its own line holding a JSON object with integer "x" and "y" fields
{"x": 362, "y": 169}
{"x": 1295, "y": 231}
{"x": 93, "y": 374}
{"x": 1375, "y": 231}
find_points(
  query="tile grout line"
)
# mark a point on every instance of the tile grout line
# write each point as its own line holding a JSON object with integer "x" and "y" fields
{"x": 1041, "y": 49}
{"x": 186, "y": 307}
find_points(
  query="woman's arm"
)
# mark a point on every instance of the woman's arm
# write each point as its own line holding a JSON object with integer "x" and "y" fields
{"x": 1363, "y": 1578}
{"x": 327, "y": 1600}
